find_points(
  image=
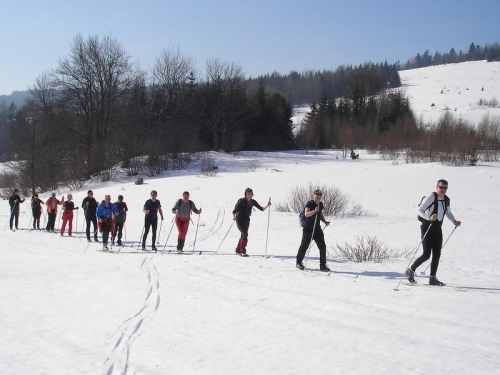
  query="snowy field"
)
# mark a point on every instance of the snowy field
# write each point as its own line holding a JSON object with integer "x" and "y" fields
{"x": 69, "y": 309}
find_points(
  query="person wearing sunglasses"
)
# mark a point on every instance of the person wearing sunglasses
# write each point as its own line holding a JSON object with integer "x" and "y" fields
{"x": 431, "y": 213}
{"x": 313, "y": 212}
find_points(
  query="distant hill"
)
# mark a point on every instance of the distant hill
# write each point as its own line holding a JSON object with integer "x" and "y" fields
{"x": 17, "y": 97}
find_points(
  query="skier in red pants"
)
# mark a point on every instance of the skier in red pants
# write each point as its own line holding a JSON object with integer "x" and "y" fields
{"x": 182, "y": 209}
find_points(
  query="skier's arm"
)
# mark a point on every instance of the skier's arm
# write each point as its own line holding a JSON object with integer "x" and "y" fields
{"x": 450, "y": 216}
{"x": 194, "y": 209}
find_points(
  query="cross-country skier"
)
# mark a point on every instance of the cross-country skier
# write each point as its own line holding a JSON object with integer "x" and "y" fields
{"x": 14, "y": 201}
{"x": 313, "y": 212}
{"x": 241, "y": 213}
{"x": 151, "y": 209}
{"x": 122, "y": 208}
{"x": 105, "y": 214}
{"x": 432, "y": 211}
{"x": 182, "y": 209}
{"x": 52, "y": 204}
{"x": 67, "y": 215}
{"x": 89, "y": 205}
{"x": 36, "y": 208}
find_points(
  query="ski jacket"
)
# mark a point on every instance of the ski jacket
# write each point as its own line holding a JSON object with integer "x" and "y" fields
{"x": 52, "y": 204}
{"x": 91, "y": 209}
{"x": 14, "y": 201}
{"x": 106, "y": 212}
{"x": 243, "y": 208}
{"x": 185, "y": 208}
{"x": 122, "y": 210}
{"x": 311, "y": 219}
{"x": 426, "y": 208}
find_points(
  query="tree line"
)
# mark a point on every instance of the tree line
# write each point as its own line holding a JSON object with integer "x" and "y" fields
{"x": 474, "y": 53}
{"x": 307, "y": 87}
{"x": 98, "y": 109}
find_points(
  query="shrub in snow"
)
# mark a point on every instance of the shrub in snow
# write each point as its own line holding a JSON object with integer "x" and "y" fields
{"x": 336, "y": 202}
{"x": 366, "y": 248}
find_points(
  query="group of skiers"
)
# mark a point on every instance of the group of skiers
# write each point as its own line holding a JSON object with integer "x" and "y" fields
{"x": 109, "y": 218}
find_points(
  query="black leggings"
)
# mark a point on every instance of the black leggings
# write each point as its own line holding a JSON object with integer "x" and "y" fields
{"x": 432, "y": 243}
{"x": 147, "y": 224}
{"x": 118, "y": 231}
{"x": 93, "y": 220}
{"x": 243, "y": 225}
{"x": 307, "y": 237}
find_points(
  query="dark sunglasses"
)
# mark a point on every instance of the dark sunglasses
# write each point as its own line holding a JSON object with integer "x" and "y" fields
{"x": 443, "y": 187}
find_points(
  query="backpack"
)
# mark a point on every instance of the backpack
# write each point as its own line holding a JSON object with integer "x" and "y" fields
{"x": 302, "y": 216}
{"x": 435, "y": 203}
{"x": 35, "y": 204}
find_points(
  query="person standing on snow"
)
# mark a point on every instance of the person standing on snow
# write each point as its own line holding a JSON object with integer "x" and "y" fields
{"x": 67, "y": 215}
{"x": 241, "y": 213}
{"x": 182, "y": 209}
{"x": 52, "y": 204}
{"x": 105, "y": 214}
{"x": 36, "y": 208}
{"x": 122, "y": 208}
{"x": 313, "y": 213}
{"x": 89, "y": 205}
{"x": 151, "y": 209}
{"x": 431, "y": 213}
{"x": 14, "y": 201}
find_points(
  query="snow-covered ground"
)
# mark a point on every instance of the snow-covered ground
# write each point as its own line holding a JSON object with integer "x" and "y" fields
{"x": 69, "y": 309}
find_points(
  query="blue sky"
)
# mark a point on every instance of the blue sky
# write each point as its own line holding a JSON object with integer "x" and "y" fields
{"x": 260, "y": 36}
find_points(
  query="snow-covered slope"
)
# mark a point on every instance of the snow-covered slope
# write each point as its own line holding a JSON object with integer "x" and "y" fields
{"x": 457, "y": 88}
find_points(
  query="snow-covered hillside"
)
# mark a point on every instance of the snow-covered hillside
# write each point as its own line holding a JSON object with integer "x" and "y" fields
{"x": 469, "y": 90}
{"x": 69, "y": 309}
{"x": 458, "y": 88}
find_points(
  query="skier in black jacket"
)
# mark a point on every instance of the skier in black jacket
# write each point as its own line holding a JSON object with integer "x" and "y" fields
{"x": 122, "y": 208}
{"x": 151, "y": 209}
{"x": 89, "y": 205}
{"x": 241, "y": 213}
{"x": 14, "y": 201}
{"x": 313, "y": 212}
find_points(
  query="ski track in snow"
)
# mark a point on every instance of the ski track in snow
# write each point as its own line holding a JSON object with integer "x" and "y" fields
{"x": 118, "y": 363}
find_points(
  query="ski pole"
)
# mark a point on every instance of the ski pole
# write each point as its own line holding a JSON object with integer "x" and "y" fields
{"x": 10, "y": 217}
{"x": 164, "y": 246}
{"x": 196, "y": 233}
{"x": 310, "y": 242}
{"x": 76, "y": 224}
{"x": 420, "y": 243}
{"x": 140, "y": 239}
{"x": 159, "y": 234}
{"x": 267, "y": 234}
{"x": 423, "y": 272}
{"x": 125, "y": 232}
{"x": 224, "y": 237}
